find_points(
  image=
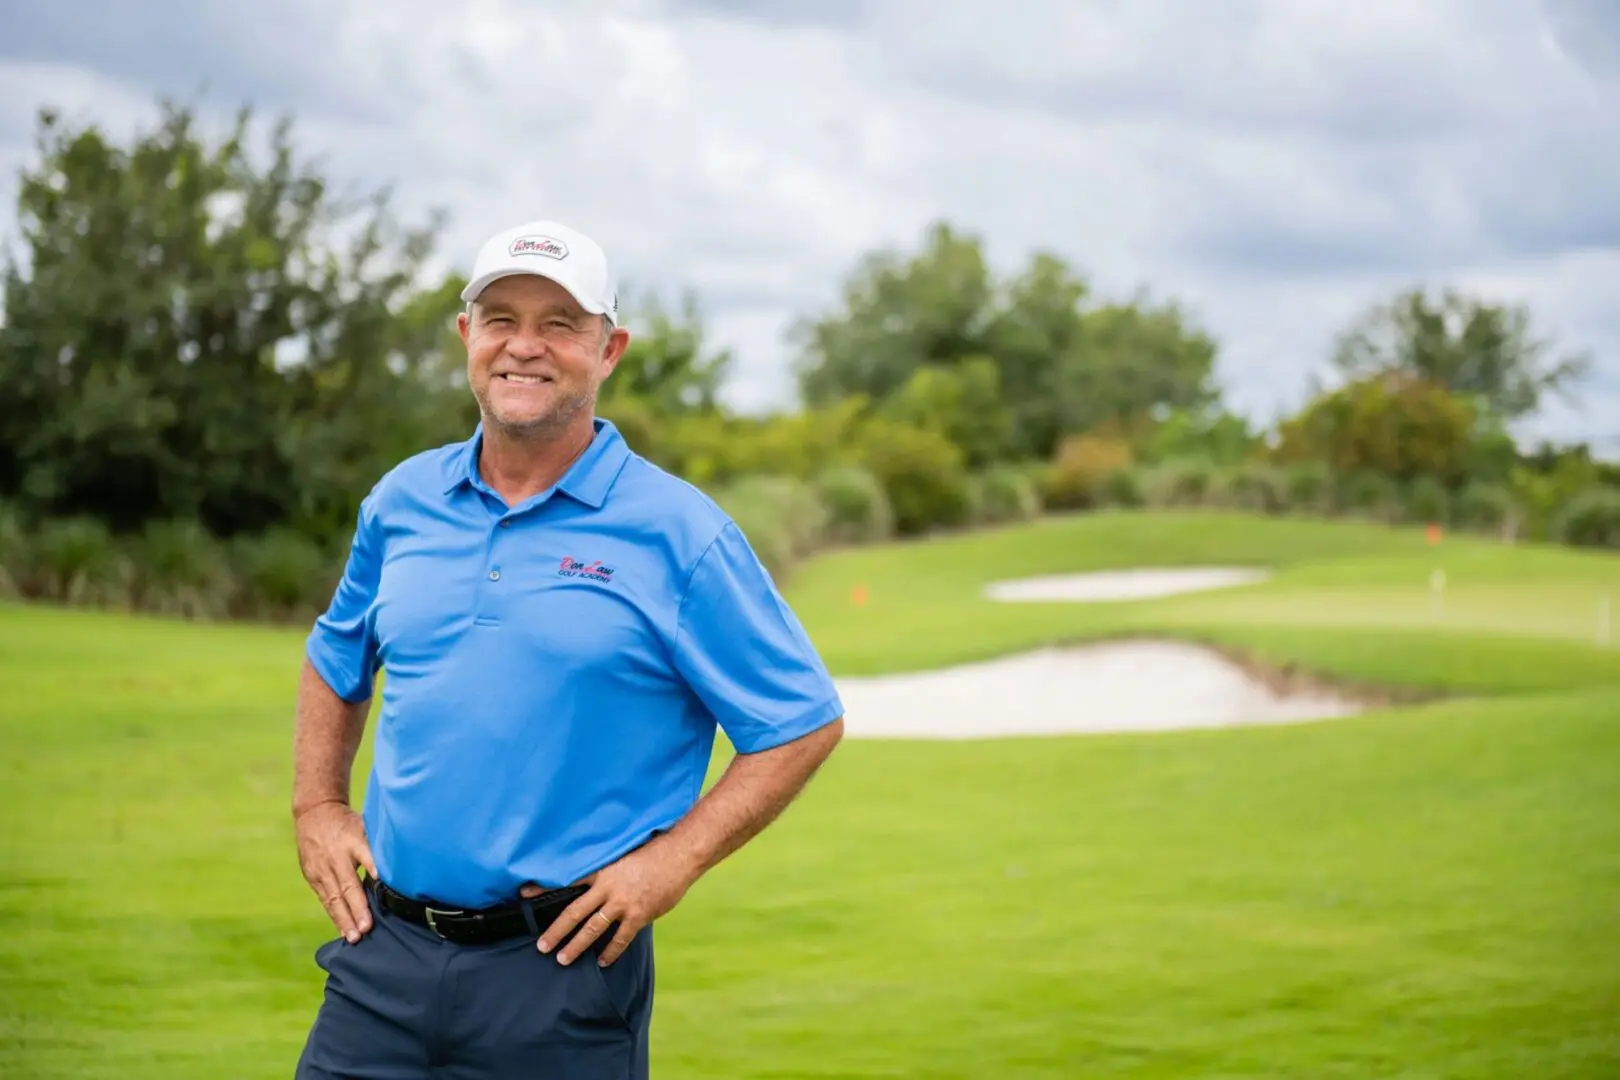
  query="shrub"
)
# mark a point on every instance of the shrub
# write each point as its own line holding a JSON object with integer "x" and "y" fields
{"x": 858, "y": 510}
{"x": 1427, "y": 501}
{"x": 1004, "y": 494}
{"x": 1483, "y": 508}
{"x": 1178, "y": 483}
{"x": 921, "y": 471}
{"x": 180, "y": 569}
{"x": 13, "y": 550}
{"x": 1542, "y": 494}
{"x": 758, "y": 515}
{"x": 281, "y": 574}
{"x": 1123, "y": 487}
{"x": 637, "y": 422}
{"x": 1041, "y": 475}
{"x": 793, "y": 504}
{"x": 1259, "y": 488}
{"x": 1389, "y": 423}
{"x": 1590, "y": 519}
{"x": 1308, "y": 488}
{"x": 1080, "y": 470}
{"x": 1369, "y": 495}
{"x": 76, "y": 560}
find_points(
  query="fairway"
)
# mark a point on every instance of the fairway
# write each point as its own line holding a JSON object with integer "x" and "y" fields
{"x": 1430, "y": 890}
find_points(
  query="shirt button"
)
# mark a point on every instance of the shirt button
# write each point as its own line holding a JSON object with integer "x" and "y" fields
{"x": 494, "y": 575}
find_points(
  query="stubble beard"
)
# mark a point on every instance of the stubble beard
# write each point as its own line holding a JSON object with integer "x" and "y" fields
{"x": 545, "y": 427}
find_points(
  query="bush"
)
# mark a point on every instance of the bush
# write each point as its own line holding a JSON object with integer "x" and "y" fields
{"x": 281, "y": 574}
{"x": 858, "y": 510}
{"x": 1259, "y": 488}
{"x": 1590, "y": 519}
{"x": 1394, "y": 424}
{"x": 1483, "y": 508}
{"x": 1542, "y": 493}
{"x": 1427, "y": 501}
{"x": 637, "y": 422}
{"x": 1178, "y": 483}
{"x": 1308, "y": 488}
{"x": 180, "y": 569}
{"x": 76, "y": 560}
{"x": 1081, "y": 468}
{"x": 13, "y": 550}
{"x": 1123, "y": 487}
{"x": 921, "y": 471}
{"x": 1369, "y": 495}
{"x": 1004, "y": 494}
{"x": 793, "y": 504}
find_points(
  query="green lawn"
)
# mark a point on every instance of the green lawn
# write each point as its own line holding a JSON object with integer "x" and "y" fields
{"x": 1428, "y": 891}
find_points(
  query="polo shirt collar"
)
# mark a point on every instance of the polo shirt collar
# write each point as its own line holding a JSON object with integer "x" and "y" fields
{"x": 587, "y": 480}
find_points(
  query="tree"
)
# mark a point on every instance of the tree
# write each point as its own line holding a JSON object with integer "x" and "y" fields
{"x": 1062, "y": 367}
{"x": 1396, "y": 425}
{"x": 1139, "y": 357}
{"x": 666, "y": 364}
{"x": 1038, "y": 338}
{"x": 1473, "y": 348}
{"x": 196, "y": 334}
{"x": 897, "y": 314}
{"x": 1208, "y": 433}
{"x": 962, "y": 402}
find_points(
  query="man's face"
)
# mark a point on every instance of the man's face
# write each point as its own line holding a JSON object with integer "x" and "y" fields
{"x": 535, "y": 358}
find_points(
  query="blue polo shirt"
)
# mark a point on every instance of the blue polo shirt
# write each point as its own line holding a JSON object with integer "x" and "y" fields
{"x": 554, "y": 672}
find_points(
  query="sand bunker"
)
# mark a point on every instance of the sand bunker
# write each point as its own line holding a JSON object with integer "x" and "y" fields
{"x": 1118, "y": 585}
{"x": 1113, "y": 687}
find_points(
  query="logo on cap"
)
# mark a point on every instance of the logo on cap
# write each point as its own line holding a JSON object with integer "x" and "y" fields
{"x": 538, "y": 245}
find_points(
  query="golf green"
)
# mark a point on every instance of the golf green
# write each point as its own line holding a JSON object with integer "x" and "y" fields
{"x": 1430, "y": 890}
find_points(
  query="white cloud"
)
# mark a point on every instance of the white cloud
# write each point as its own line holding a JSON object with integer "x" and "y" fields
{"x": 1277, "y": 163}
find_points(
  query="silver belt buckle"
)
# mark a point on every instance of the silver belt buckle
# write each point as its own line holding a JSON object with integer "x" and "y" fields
{"x": 433, "y": 912}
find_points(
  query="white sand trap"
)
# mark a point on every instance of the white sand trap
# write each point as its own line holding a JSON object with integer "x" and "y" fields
{"x": 1116, "y": 585}
{"x": 1112, "y": 687}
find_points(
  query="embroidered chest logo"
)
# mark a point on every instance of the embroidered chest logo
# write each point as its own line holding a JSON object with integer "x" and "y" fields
{"x": 572, "y": 567}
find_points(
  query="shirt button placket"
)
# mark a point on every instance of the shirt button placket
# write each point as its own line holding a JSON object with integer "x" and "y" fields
{"x": 490, "y": 606}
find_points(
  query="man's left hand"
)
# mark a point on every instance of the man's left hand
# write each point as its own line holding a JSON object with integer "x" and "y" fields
{"x": 632, "y": 892}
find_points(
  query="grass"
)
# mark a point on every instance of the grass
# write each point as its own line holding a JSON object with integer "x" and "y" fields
{"x": 1427, "y": 891}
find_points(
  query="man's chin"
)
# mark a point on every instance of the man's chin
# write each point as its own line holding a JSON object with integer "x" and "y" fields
{"x": 528, "y": 424}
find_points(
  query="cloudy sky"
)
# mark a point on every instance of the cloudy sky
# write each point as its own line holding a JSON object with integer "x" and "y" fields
{"x": 1274, "y": 164}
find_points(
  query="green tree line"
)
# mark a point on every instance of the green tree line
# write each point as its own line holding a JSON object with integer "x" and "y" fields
{"x": 209, "y": 354}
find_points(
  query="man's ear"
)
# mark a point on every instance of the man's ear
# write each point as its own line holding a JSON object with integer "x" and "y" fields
{"x": 618, "y": 340}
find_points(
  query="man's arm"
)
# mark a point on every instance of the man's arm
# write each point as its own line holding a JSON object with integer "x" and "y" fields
{"x": 331, "y": 837}
{"x": 745, "y": 656}
{"x": 750, "y": 794}
{"x": 647, "y": 883}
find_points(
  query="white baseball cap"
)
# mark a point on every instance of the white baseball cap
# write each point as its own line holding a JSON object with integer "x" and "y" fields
{"x": 552, "y": 250}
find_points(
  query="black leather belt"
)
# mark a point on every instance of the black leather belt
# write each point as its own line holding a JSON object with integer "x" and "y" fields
{"x": 482, "y": 926}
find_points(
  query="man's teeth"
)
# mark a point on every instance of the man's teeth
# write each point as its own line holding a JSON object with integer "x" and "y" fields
{"x": 526, "y": 380}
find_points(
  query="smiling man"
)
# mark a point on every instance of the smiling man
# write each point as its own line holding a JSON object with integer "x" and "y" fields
{"x": 563, "y": 628}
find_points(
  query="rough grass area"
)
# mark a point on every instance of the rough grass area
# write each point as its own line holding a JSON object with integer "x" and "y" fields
{"x": 1432, "y": 890}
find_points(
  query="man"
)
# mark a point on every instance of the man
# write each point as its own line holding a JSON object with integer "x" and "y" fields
{"x": 561, "y": 628}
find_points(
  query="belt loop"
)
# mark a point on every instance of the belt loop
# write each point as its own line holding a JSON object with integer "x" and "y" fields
{"x": 528, "y": 917}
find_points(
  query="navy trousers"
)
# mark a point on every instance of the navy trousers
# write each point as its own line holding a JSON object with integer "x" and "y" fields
{"x": 403, "y": 1004}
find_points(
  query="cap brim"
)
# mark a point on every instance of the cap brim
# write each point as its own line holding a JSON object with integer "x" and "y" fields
{"x": 476, "y": 287}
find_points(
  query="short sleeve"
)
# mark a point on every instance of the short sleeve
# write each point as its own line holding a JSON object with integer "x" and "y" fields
{"x": 342, "y": 646}
{"x": 744, "y": 653}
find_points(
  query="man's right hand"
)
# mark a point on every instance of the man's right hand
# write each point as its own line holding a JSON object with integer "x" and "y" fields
{"x": 332, "y": 846}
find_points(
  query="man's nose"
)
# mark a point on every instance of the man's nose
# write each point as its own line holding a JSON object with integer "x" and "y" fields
{"x": 526, "y": 343}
